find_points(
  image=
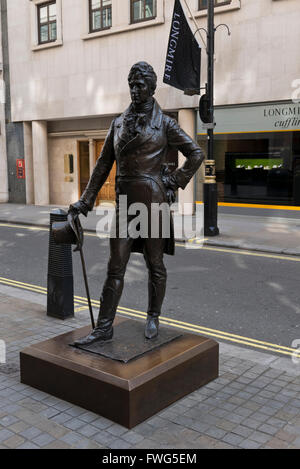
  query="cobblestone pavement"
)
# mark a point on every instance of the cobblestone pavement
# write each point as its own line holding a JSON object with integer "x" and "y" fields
{"x": 255, "y": 403}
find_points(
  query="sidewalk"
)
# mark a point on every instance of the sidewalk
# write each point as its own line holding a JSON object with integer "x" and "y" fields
{"x": 241, "y": 228}
{"x": 255, "y": 403}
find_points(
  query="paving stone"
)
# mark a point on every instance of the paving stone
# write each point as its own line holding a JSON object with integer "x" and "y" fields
{"x": 216, "y": 433}
{"x": 276, "y": 443}
{"x": 291, "y": 428}
{"x": 237, "y": 401}
{"x": 14, "y": 441}
{"x": 8, "y": 420}
{"x": 206, "y": 442}
{"x": 104, "y": 438}
{"x": 158, "y": 422}
{"x": 87, "y": 444}
{"x": 261, "y": 417}
{"x": 273, "y": 421}
{"x": 259, "y": 437}
{"x": 229, "y": 406}
{"x": 268, "y": 410}
{"x": 233, "y": 439}
{"x": 62, "y": 406}
{"x": 18, "y": 427}
{"x": 49, "y": 413}
{"x": 286, "y": 436}
{"x": 120, "y": 444}
{"x": 74, "y": 424}
{"x": 47, "y": 426}
{"x": 235, "y": 418}
{"x": 75, "y": 411}
{"x": 88, "y": 417}
{"x": 57, "y": 444}
{"x": 244, "y": 412}
{"x": 88, "y": 430}
{"x": 251, "y": 423}
{"x": 32, "y": 405}
{"x": 219, "y": 412}
{"x": 195, "y": 425}
{"x": 147, "y": 443}
{"x": 5, "y": 434}
{"x": 226, "y": 425}
{"x": 144, "y": 429}
{"x": 132, "y": 437}
{"x": 296, "y": 443}
{"x": 28, "y": 445}
{"x": 71, "y": 438}
{"x": 248, "y": 444}
{"x": 61, "y": 418}
{"x": 268, "y": 429}
{"x": 241, "y": 430}
{"x": 116, "y": 430}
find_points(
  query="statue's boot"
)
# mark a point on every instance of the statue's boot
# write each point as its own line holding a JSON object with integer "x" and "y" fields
{"x": 156, "y": 293}
{"x": 102, "y": 332}
{"x": 152, "y": 325}
{"x": 104, "y": 327}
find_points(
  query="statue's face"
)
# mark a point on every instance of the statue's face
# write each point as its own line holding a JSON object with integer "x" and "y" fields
{"x": 139, "y": 90}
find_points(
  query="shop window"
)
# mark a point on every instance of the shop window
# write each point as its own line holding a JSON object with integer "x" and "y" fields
{"x": 203, "y": 4}
{"x": 47, "y": 22}
{"x": 142, "y": 10}
{"x": 100, "y": 15}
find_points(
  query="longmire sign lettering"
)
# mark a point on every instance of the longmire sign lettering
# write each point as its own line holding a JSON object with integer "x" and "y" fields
{"x": 183, "y": 60}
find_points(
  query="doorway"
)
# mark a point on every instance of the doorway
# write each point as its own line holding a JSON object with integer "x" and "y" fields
{"x": 83, "y": 166}
{"x": 107, "y": 192}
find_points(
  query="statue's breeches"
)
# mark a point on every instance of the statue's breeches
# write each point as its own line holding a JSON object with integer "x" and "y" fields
{"x": 143, "y": 191}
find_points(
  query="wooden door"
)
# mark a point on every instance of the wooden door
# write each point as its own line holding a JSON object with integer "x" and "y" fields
{"x": 83, "y": 166}
{"x": 107, "y": 192}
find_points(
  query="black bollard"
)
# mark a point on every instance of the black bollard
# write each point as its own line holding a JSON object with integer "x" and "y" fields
{"x": 60, "y": 300}
{"x": 210, "y": 193}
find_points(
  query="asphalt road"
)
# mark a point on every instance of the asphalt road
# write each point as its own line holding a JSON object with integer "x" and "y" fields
{"x": 255, "y": 296}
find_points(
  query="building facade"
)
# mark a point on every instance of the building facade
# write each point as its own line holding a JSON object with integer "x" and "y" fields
{"x": 69, "y": 62}
{"x": 3, "y": 154}
{"x": 12, "y": 170}
{"x": 257, "y": 147}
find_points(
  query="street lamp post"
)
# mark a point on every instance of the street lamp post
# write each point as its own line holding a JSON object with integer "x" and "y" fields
{"x": 210, "y": 185}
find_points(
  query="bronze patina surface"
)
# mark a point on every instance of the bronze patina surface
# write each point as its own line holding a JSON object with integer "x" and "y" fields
{"x": 129, "y": 342}
{"x": 138, "y": 142}
{"x": 126, "y": 393}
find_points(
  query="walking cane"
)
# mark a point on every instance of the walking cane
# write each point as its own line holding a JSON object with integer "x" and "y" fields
{"x": 79, "y": 248}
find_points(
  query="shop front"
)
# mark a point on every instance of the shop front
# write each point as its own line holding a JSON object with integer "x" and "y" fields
{"x": 257, "y": 153}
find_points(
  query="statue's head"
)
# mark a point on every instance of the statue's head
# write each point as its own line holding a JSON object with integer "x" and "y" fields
{"x": 142, "y": 81}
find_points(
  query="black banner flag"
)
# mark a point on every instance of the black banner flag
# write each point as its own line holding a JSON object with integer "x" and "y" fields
{"x": 183, "y": 61}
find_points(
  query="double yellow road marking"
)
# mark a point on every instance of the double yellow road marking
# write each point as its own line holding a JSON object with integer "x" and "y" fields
{"x": 82, "y": 304}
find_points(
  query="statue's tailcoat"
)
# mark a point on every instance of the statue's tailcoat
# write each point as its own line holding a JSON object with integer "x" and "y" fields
{"x": 140, "y": 161}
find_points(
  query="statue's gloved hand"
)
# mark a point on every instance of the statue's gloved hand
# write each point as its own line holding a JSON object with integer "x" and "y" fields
{"x": 78, "y": 208}
{"x": 171, "y": 196}
{"x": 170, "y": 184}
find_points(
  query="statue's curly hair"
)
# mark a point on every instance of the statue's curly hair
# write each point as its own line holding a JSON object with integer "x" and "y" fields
{"x": 147, "y": 72}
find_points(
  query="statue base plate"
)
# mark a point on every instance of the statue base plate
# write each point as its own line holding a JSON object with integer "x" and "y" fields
{"x": 126, "y": 393}
{"x": 129, "y": 342}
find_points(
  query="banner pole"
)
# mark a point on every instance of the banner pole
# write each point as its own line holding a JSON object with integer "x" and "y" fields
{"x": 210, "y": 185}
{"x": 194, "y": 20}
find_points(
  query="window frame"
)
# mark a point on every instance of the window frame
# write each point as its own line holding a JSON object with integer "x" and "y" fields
{"x": 91, "y": 30}
{"x": 217, "y": 4}
{"x": 141, "y": 20}
{"x": 48, "y": 23}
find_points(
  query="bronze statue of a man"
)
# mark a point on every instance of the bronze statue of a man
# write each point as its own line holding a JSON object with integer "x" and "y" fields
{"x": 138, "y": 141}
